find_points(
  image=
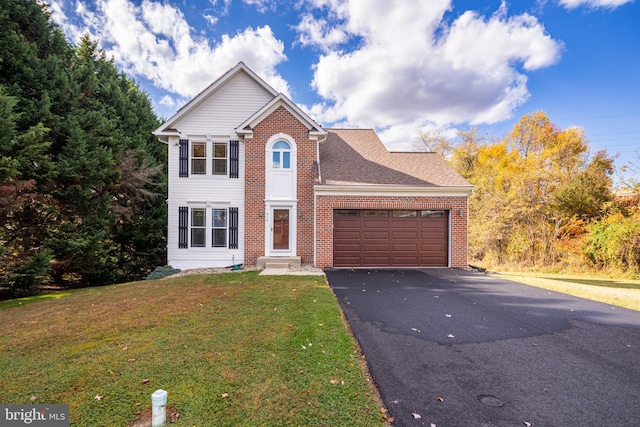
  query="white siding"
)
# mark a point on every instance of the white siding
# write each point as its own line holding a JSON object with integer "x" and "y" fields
{"x": 229, "y": 106}
{"x": 216, "y": 116}
{"x": 203, "y": 192}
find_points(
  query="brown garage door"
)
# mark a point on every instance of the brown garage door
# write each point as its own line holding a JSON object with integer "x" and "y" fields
{"x": 393, "y": 238}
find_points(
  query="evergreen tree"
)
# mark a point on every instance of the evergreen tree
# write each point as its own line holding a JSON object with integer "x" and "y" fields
{"x": 82, "y": 178}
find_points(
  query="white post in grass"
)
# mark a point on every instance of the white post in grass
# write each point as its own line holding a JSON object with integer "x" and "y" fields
{"x": 159, "y": 408}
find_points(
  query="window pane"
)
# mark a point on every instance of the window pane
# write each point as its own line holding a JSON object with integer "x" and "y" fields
{"x": 199, "y": 149}
{"x": 379, "y": 214}
{"x": 344, "y": 212}
{"x": 432, "y": 214}
{"x": 219, "y": 166}
{"x": 219, "y": 238}
{"x": 198, "y": 218}
{"x": 286, "y": 160}
{"x": 198, "y": 237}
{"x": 276, "y": 160}
{"x": 219, "y": 218}
{"x": 198, "y": 166}
{"x": 281, "y": 145}
{"x": 405, "y": 214}
{"x": 220, "y": 149}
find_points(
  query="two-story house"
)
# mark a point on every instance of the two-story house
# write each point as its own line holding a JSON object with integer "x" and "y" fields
{"x": 253, "y": 178}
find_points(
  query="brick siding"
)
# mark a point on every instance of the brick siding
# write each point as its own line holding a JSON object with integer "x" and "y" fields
{"x": 280, "y": 121}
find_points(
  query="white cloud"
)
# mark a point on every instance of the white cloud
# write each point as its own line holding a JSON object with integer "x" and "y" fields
{"x": 411, "y": 68}
{"x": 167, "y": 101}
{"x": 261, "y": 5}
{"x": 154, "y": 41}
{"x": 610, "y": 4}
{"x": 212, "y": 20}
{"x": 316, "y": 32}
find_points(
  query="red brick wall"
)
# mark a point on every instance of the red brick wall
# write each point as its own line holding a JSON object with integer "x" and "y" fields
{"x": 326, "y": 205}
{"x": 280, "y": 121}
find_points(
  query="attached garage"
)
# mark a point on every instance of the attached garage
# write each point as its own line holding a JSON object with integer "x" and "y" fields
{"x": 390, "y": 238}
{"x": 377, "y": 208}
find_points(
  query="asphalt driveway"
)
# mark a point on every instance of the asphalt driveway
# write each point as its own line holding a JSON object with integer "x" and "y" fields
{"x": 454, "y": 348}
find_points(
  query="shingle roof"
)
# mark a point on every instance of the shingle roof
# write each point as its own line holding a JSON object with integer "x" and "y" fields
{"x": 358, "y": 157}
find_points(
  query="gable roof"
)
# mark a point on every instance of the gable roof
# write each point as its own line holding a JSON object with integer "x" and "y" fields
{"x": 357, "y": 157}
{"x": 315, "y": 130}
{"x": 167, "y": 127}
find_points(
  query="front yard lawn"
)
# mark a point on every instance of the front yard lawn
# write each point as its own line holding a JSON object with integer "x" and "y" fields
{"x": 233, "y": 349}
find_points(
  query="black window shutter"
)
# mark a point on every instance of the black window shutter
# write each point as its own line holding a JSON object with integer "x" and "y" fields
{"x": 184, "y": 158}
{"x": 234, "y": 159}
{"x": 183, "y": 227}
{"x": 233, "y": 228}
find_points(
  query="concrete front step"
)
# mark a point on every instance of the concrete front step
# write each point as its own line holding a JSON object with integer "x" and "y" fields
{"x": 278, "y": 262}
{"x": 276, "y": 265}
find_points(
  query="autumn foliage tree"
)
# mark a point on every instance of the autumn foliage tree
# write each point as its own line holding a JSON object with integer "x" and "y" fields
{"x": 535, "y": 190}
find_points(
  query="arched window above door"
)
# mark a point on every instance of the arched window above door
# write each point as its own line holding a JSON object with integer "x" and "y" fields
{"x": 281, "y": 155}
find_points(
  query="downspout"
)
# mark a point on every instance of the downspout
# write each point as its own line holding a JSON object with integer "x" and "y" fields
{"x": 315, "y": 204}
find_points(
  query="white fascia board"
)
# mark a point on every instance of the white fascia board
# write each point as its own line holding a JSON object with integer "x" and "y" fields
{"x": 163, "y": 137}
{"x": 244, "y": 133}
{"x": 319, "y": 136}
{"x": 390, "y": 191}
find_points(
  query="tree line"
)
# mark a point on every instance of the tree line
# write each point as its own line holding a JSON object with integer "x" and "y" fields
{"x": 82, "y": 180}
{"x": 542, "y": 199}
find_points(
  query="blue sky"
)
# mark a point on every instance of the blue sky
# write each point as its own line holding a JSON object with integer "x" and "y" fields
{"x": 399, "y": 66}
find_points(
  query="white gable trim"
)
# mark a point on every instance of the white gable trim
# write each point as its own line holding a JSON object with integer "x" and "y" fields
{"x": 166, "y": 128}
{"x": 315, "y": 130}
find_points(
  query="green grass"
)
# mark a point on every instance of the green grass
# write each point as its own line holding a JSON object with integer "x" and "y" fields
{"x": 28, "y": 300}
{"x": 232, "y": 349}
{"x": 619, "y": 292}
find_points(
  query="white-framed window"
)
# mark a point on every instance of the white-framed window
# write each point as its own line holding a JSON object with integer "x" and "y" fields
{"x": 220, "y": 157}
{"x": 219, "y": 228}
{"x": 193, "y": 227}
{"x": 281, "y": 154}
{"x": 198, "y": 227}
{"x": 199, "y": 158}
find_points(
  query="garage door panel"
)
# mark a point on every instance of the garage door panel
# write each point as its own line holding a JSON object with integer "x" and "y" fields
{"x": 375, "y": 234}
{"x": 402, "y": 240}
{"x": 434, "y": 252}
{"x": 433, "y": 243}
{"x": 348, "y": 247}
{"x": 347, "y": 261}
{"x": 375, "y": 261}
{"x": 350, "y": 235}
{"x": 405, "y": 247}
{"x": 375, "y": 247}
{"x": 375, "y": 223}
{"x": 402, "y": 223}
{"x": 405, "y": 235}
{"x": 405, "y": 260}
